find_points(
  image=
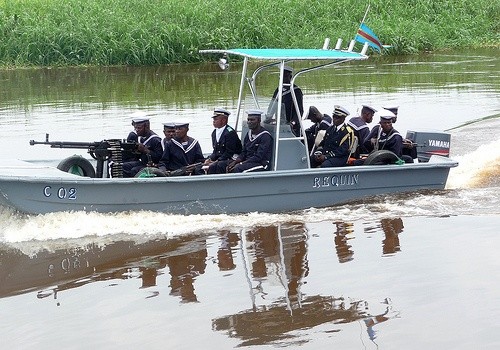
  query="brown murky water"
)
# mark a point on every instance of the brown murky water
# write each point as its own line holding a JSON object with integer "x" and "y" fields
{"x": 413, "y": 271}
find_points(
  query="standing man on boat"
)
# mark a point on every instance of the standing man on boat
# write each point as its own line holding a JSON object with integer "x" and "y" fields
{"x": 336, "y": 145}
{"x": 181, "y": 151}
{"x": 321, "y": 122}
{"x": 383, "y": 136}
{"x": 360, "y": 127}
{"x": 225, "y": 141}
{"x": 291, "y": 114}
{"x": 149, "y": 148}
{"x": 257, "y": 147}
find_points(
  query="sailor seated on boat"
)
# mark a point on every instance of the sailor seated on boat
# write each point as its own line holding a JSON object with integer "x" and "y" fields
{"x": 409, "y": 148}
{"x": 334, "y": 149}
{"x": 149, "y": 147}
{"x": 383, "y": 136}
{"x": 225, "y": 141}
{"x": 257, "y": 147}
{"x": 321, "y": 122}
{"x": 361, "y": 129}
{"x": 132, "y": 137}
{"x": 291, "y": 115}
{"x": 181, "y": 151}
{"x": 169, "y": 132}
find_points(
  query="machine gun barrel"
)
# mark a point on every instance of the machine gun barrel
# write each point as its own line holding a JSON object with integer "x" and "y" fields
{"x": 90, "y": 146}
{"x": 65, "y": 144}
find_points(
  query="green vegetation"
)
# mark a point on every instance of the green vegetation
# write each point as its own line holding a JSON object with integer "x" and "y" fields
{"x": 149, "y": 32}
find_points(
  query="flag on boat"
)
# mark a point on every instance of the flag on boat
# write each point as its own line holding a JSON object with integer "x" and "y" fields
{"x": 366, "y": 35}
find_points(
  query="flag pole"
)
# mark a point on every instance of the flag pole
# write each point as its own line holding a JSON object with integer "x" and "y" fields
{"x": 364, "y": 17}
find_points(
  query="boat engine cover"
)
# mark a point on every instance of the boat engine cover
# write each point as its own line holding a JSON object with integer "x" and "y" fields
{"x": 429, "y": 143}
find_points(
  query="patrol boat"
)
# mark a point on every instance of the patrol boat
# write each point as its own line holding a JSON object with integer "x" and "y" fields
{"x": 290, "y": 184}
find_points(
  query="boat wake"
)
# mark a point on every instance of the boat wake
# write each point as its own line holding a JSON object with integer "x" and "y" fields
{"x": 145, "y": 226}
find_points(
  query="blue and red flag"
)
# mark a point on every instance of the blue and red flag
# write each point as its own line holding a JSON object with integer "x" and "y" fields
{"x": 366, "y": 35}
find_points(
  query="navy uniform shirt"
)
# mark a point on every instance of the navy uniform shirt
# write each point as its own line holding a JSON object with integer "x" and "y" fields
{"x": 177, "y": 155}
{"x": 361, "y": 131}
{"x": 337, "y": 142}
{"x": 153, "y": 143}
{"x": 257, "y": 148}
{"x": 228, "y": 145}
{"x": 290, "y": 113}
{"x": 391, "y": 141}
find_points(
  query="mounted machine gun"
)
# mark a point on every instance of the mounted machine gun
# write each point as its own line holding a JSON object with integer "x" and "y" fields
{"x": 101, "y": 151}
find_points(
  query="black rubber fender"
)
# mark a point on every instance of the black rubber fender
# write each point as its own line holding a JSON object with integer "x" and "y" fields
{"x": 381, "y": 157}
{"x": 150, "y": 172}
{"x": 77, "y": 165}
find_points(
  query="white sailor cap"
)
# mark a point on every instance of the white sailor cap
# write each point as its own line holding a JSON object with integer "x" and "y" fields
{"x": 139, "y": 117}
{"x": 139, "y": 120}
{"x": 340, "y": 112}
{"x": 288, "y": 69}
{"x": 221, "y": 111}
{"x": 392, "y": 108}
{"x": 181, "y": 125}
{"x": 256, "y": 112}
{"x": 368, "y": 107}
{"x": 169, "y": 125}
{"x": 385, "y": 114}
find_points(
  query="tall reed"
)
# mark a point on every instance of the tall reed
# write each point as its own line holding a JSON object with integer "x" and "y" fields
{"x": 139, "y": 32}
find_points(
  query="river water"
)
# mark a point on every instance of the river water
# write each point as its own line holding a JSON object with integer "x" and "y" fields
{"x": 413, "y": 271}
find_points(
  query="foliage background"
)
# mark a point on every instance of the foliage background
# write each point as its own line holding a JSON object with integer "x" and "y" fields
{"x": 150, "y": 32}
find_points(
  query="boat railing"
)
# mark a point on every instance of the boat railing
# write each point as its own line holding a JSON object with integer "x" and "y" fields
{"x": 290, "y": 150}
{"x": 294, "y": 155}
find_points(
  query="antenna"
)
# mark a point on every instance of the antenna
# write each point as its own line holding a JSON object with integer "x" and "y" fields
{"x": 366, "y": 13}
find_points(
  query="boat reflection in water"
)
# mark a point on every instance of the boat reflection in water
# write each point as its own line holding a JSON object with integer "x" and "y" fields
{"x": 68, "y": 268}
{"x": 391, "y": 227}
{"x": 278, "y": 255}
{"x": 273, "y": 260}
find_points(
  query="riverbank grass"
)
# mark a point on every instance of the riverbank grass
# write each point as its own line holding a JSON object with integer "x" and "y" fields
{"x": 138, "y": 32}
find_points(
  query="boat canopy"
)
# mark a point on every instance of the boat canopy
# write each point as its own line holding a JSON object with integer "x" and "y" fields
{"x": 291, "y": 54}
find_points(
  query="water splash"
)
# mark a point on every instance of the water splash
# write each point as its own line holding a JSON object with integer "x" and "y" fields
{"x": 477, "y": 169}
